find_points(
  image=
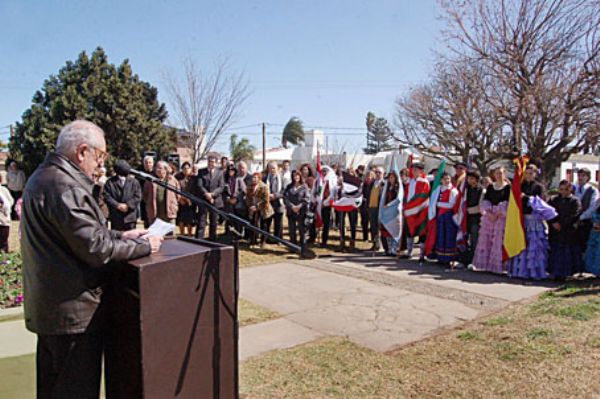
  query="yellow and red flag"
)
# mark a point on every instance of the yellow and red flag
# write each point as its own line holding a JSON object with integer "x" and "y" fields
{"x": 514, "y": 231}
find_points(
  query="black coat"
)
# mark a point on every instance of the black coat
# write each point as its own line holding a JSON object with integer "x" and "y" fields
{"x": 130, "y": 194}
{"x": 568, "y": 210}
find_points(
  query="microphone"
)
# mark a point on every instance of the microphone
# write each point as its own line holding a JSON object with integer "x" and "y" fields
{"x": 123, "y": 168}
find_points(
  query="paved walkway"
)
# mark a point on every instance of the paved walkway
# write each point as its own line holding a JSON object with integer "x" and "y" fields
{"x": 375, "y": 301}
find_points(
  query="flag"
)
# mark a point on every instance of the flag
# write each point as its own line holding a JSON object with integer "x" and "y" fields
{"x": 390, "y": 215}
{"x": 514, "y": 230}
{"x": 431, "y": 214}
{"x": 415, "y": 207}
{"x": 350, "y": 197}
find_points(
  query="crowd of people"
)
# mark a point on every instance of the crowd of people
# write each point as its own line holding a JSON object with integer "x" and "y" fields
{"x": 459, "y": 223}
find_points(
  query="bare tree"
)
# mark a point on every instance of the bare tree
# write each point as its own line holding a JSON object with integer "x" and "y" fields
{"x": 451, "y": 114}
{"x": 206, "y": 104}
{"x": 543, "y": 56}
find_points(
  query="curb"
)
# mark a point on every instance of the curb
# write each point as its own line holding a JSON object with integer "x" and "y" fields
{"x": 10, "y": 314}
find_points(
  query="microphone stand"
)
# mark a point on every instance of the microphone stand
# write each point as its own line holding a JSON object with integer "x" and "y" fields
{"x": 303, "y": 251}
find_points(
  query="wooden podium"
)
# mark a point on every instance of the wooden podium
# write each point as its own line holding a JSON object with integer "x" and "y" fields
{"x": 173, "y": 324}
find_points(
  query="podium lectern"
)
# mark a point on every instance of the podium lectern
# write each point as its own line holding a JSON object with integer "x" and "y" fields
{"x": 173, "y": 324}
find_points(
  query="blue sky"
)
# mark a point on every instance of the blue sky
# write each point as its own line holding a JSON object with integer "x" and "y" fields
{"x": 327, "y": 62}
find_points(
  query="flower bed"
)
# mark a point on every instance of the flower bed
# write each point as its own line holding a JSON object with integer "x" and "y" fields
{"x": 11, "y": 284}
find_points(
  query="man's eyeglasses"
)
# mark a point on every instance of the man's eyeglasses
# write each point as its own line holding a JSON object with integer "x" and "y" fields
{"x": 101, "y": 155}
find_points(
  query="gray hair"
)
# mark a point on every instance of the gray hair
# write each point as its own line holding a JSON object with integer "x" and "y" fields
{"x": 76, "y": 133}
{"x": 242, "y": 163}
{"x": 147, "y": 157}
{"x": 164, "y": 164}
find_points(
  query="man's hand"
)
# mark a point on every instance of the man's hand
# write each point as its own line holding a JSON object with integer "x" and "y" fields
{"x": 208, "y": 196}
{"x": 155, "y": 242}
{"x": 123, "y": 207}
{"x": 133, "y": 234}
{"x": 271, "y": 197}
{"x": 556, "y": 226}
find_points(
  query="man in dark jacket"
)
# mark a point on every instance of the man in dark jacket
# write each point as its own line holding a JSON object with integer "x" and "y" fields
{"x": 209, "y": 185}
{"x": 66, "y": 248}
{"x": 122, "y": 194}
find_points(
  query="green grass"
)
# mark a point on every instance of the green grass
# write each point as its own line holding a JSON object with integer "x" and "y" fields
{"x": 497, "y": 321}
{"x": 468, "y": 335}
{"x": 250, "y": 313}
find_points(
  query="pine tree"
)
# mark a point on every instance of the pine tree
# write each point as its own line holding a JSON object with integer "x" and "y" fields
{"x": 90, "y": 88}
{"x": 379, "y": 135}
{"x": 293, "y": 132}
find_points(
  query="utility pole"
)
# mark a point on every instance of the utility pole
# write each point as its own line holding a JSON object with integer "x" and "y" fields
{"x": 12, "y": 131}
{"x": 264, "y": 145}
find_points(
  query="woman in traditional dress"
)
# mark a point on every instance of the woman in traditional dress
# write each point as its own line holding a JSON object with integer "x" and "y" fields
{"x": 488, "y": 254}
{"x": 532, "y": 262}
{"x": 592, "y": 253}
{"x": 565, "y": 249}
{"x": 445, "y": 250}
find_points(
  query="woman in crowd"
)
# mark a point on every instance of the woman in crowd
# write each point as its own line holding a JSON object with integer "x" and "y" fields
{"x": 533, "y": 261}
{"x": 445, "y": 249}
{"x": 309, "y": 179}
{"x": 565, "y": 250}
{"x": 592, "y": 253}
{"x": 6, "y": 204}
{"x": 259, "y": 206}
{"x": 296, "y": 197}
{"x": 389, "y": 194}
{"x": 186, "y": 213}
{"x": 488, "y": 254}
{"x": 161, "y": 203}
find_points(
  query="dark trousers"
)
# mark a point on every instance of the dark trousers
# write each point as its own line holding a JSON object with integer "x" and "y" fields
{"x": 212, "y": 227}
{"x": 69, "y": 366}
{"x": 296, "y": 227}
{"x": 364, "y": 221}
{"x": 374, "y": 224}
{"x": 4, "y": 233}
{"x": 473, "y": 222}
{"x": 326, "y": 215}
{"x": 276, "y": 219}
{"x": 353, "y": 219}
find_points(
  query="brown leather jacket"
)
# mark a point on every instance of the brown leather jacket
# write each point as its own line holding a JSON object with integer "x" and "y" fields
{"x": 66, "y": 249}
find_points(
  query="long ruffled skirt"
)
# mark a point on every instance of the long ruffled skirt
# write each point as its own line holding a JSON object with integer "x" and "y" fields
{"x": 445, "y": 243}
{"x": 533, "y": 261}
{"x": 488, "y": 254}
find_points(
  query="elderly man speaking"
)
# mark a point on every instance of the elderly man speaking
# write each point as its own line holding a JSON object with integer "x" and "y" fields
{"x": 66, "y": 250}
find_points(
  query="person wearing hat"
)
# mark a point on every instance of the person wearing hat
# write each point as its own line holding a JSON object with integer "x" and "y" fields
{"x": 415, "y": 209}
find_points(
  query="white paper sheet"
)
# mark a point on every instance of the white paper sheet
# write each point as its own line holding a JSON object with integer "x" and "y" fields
{"x": 160, "y": 228}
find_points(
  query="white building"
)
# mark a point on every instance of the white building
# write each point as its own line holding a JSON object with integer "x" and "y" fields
{"x": 568, "y": 169}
